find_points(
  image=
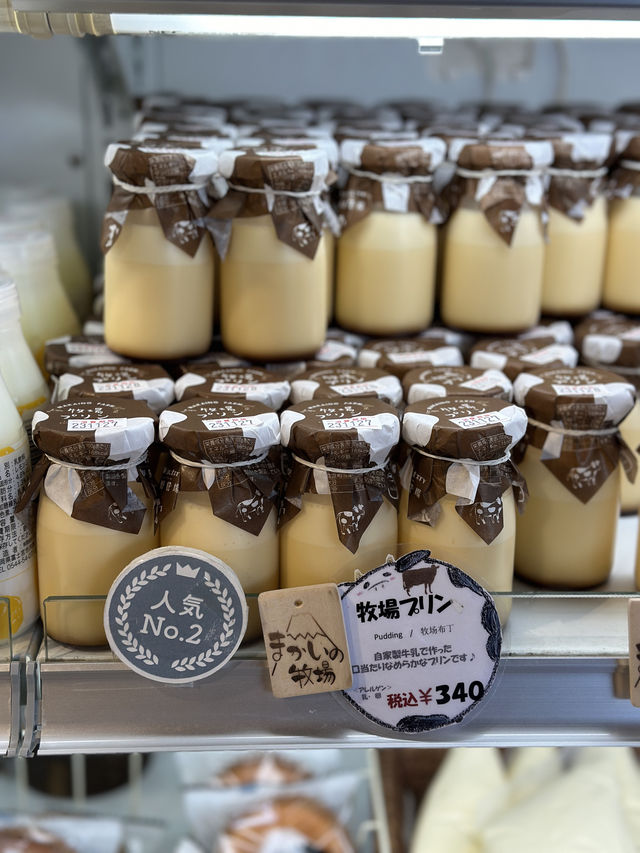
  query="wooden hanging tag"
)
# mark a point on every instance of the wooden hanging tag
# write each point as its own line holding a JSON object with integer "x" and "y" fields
{"x": 634, "y": 651}
{"x": 305, "y": 639}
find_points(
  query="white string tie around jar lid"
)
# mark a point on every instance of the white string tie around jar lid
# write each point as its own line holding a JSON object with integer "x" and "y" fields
{"x": 573, "y": 433}
{"x": 326, "y": 469}
{"x": 462, "y": 460}
{"x": 478, "y": 174}
{"x": 271, "y": 193}
{"x": 208, "y": 465}
{"x": 391, "y": 178}
{"x": 577, "y": 173}
{"x": 152, "y": 189}
{"x": 124, "y": 466}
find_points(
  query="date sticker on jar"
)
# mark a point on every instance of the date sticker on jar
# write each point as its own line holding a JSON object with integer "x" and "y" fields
{"x": 175, "y": 615}
{"x": 424, "y": 640}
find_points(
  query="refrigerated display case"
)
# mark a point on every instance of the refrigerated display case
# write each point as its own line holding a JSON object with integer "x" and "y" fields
{"x": 563, "y": 676}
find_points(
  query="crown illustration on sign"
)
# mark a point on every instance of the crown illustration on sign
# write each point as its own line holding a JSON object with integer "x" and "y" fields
{"x": 187, "y": 571}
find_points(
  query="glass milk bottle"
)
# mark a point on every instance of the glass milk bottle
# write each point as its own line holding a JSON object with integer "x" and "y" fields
{"x": 159, "y": 259}
{"x": 621, "y": 292}
{"x": 18, "y": 367}
{"x": 18, "y": 586}
{"x": 577, "y": 228}
{"x": 460, "y": 488}
{"x": 340, "y": 503}
{"x": 95, "y": 513}
{"x": 221, "y": 486}
{"x": 30, "y": 259}
{"x": 569, "y": 458}
{"x": 273, "y": 274}
{"x": 612, "y": 341}
{"x": 494, "y": 249}
{"x": 386, "y": 255}
{"x": 56, "y": 215}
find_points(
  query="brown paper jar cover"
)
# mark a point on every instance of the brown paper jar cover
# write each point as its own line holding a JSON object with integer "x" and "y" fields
{"x": 432, "y": 382}
{"x": 158, "y": 164}
{"x": 353, "y": 436}
{"x": 149, "y": 383}
{"x": 62, "y": 355}
{"x": 513, "y": 356}
{"x": 247, "y": 383}
{"x": 336, "y": 383}
{"x": 610, "y": 340}
{"x": 400, "y": 355}
{"x": 210, "y": 439}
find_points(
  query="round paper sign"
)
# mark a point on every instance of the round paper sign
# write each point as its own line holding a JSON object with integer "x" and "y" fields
{"x": 175, "y": 614}
{"x": 424, "y": 640}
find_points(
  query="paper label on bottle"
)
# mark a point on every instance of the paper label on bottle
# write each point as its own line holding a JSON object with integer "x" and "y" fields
{"x": 122, "y": 385}
{"x": 359, "y": 422}
{"x": 356, "y": 388}
{"x": 17, "y": 535}
{"x": 231, "y": 423}
{"x": 424, "y": 640}
{"x": 232, "y": 388}
{"x": 480, "y": 383}
{"x": 305, "y": 640}
{"x": 475, "y": 421}
{"x": 395, "y": 196}
{"x": 580, "y": 390}
{"x": 410, "y": 357}
{"x": 79, "y": 348}
{"x": 91, "y": 424}
{"x": 175, "y": 615}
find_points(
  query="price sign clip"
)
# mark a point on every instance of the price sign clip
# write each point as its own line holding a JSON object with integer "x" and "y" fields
{"x": 305, "y": 639}
{"x": 634, "y": 651}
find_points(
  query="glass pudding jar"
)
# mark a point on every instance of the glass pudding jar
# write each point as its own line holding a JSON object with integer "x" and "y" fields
{"x": 159, "y": 259}
{"x": 494, "y": 250}
{"x": 74, "y": 352}
{"x": 220, "y": 488}
{"x": 612, "y": 342}
{"x": 149, "y": 383}
{"x": 386, "y": 255}
{"x": 242, "y": 383}
{"x": 29, "y": 257}
{"x": 435, "y": 382}
{"x": 514, "y": 356}
{"x": 18, "y": 583}
{"x": 577, "y": 227}
{"x": 336, "y": 383}
{"x": 620, "y": 291}
{"x": 95, "y": 513}
{"x": 339, "y": 512}
{"x": 273, "y": 273}
{"x": 460, "y": 487}
{"x": 399, "y": 356}
{"x": 569, "y": 457}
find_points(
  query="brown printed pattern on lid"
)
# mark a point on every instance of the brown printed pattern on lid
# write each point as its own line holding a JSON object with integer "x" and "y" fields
{"x": 453, "y": 379}
{"x": 624, "y": 332}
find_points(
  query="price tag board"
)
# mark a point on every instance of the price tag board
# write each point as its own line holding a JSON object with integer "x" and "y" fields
{"x": 424, "y": 640}
{"x": 175, "y": 615}
{"x": 634, "y": 651}
{"x": 305, "y": 640}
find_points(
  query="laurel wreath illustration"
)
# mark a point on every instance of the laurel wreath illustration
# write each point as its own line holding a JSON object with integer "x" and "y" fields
{"x": 145, "y": 655}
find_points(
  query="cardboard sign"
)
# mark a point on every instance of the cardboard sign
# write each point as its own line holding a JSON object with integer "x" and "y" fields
{"x": 175, "y": 615}
{"x": 305, "y": 640}
{"x": 424, "y": 640}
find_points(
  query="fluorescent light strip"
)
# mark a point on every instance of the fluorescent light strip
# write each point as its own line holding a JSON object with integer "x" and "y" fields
{"x": 368, "y": 27}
